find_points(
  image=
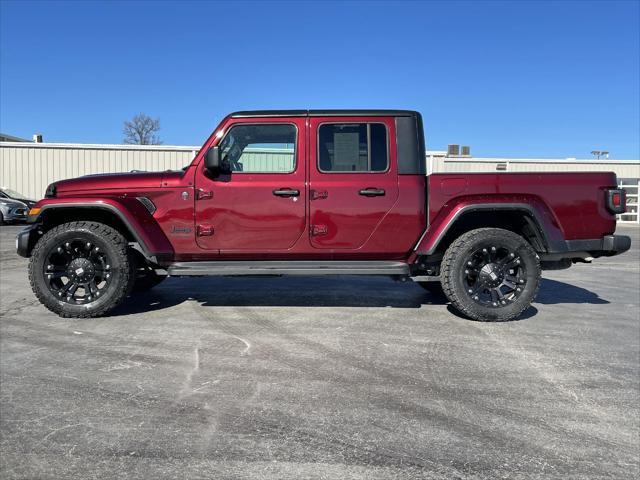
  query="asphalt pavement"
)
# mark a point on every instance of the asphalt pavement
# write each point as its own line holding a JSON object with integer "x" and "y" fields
{"x": 314, "y": 378}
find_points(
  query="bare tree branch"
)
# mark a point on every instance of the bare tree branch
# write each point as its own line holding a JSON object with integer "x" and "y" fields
{"x": 142, "y": 130}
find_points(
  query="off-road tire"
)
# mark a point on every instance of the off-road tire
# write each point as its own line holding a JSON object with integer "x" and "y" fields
{"x": 452, "y": 273}
{"x": 434, "y": 288}
{"x": 115, "y": 246}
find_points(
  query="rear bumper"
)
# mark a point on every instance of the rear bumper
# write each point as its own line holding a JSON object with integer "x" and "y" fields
{"x": 616, "y": 243}
{"x": 606, "y": 246}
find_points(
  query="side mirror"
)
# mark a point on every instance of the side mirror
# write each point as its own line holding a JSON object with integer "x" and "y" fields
{"x": 212, "y": 161}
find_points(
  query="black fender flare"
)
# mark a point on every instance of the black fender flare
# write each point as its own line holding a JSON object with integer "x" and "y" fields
{"x": 148, "y": 248}
{"x": 552, "y": 243}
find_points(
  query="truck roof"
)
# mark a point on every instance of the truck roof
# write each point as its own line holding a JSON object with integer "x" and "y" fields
{"x": 324, "y": 113}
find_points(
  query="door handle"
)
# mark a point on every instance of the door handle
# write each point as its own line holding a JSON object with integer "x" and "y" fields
{"x": 372, "y": 192}
{"x": 286, "y": 192}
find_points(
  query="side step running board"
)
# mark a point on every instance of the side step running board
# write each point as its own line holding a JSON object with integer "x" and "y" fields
{"x": 181, "y": 269}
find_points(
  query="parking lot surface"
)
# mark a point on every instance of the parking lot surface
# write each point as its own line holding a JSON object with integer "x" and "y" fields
{"x": 333, "y": 378}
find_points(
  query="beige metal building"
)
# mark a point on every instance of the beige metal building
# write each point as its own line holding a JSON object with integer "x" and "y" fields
{"x": 29, "y": 167}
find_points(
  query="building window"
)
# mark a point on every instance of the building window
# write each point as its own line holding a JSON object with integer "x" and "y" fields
{"x": 352, "y": 147}
{"x": 265, "y": 148}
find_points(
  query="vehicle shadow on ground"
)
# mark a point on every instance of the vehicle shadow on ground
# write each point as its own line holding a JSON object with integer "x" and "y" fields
{"x": 319, "y": 292}
{"x": 281, "y": 292}
{"x": 553, "y": 292}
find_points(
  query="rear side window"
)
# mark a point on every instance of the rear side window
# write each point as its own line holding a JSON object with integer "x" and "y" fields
{"x": 266, "y": 148}
{"x": 352, "y": 147}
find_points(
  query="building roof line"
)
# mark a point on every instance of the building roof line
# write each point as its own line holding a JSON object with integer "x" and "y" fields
{"x": 12, "y": 138}
{"x": 101, "y": 146}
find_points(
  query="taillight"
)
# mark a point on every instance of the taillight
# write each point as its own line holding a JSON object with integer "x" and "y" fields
{"x": 616, "y": 200}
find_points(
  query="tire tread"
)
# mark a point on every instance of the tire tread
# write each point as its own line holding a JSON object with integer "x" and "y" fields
{"x": 447, "y": 271}
{"x": 109, "y": 235}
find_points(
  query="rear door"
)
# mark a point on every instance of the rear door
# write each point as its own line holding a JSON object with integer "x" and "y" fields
{"x": 353, "y": 179}
{"x": 260, "y": 205}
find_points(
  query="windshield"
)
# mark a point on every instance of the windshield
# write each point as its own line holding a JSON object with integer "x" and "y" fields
{"x": 13, "y": 194}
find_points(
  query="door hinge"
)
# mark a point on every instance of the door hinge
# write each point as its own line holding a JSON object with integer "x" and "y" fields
{"x": 318, "y": 230}
{"x": 204, "y": 230}
{"x": 319, "y": 194}
{"x": 204, "y": 194}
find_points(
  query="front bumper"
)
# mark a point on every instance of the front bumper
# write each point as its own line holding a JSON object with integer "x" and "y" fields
{"x": 26, "y": 239}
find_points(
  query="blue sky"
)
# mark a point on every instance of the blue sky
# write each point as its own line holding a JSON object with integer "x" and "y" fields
{"x": 525, "y": 79}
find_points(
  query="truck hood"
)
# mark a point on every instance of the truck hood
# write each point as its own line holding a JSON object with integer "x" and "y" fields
{"x": 112, "y": 181}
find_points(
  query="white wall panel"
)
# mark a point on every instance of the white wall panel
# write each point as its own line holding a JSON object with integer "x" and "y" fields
{"x": 29, "y": 167}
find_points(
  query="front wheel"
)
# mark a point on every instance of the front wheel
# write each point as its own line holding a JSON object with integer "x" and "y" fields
{"x": 490, "y": 274}
{"x": 81, "y": 269}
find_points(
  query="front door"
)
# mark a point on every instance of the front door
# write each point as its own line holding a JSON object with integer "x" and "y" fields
{"x": 260, "y": 205}
{"x": 353, "y": 179}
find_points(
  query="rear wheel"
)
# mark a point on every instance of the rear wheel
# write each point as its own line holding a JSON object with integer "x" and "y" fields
{"x": 490, "y": 274}
{"x": 81, "y": 269}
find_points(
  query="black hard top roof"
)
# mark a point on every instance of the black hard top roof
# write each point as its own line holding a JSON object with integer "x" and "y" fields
{"x": 324, "y": 113}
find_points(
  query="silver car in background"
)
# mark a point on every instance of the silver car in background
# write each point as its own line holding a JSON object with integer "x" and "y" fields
{"x": 13, "y": 195}
{"x": 12, "y": 211}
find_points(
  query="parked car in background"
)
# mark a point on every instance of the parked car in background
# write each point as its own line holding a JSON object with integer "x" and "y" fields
{"x": 13, "y": 195}
{"x": 12, "y": 211}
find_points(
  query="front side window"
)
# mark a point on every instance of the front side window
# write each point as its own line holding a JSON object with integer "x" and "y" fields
{"x": 268, "y": 148}
{"x": 352, "y": 147}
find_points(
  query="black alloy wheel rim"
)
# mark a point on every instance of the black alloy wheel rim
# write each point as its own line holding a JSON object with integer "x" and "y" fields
{"x": 494, "y": 276}
{"x": 77, "y": 272}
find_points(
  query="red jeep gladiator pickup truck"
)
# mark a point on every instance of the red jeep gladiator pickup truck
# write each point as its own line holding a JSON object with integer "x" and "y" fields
{"x": 318, "y": 192}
